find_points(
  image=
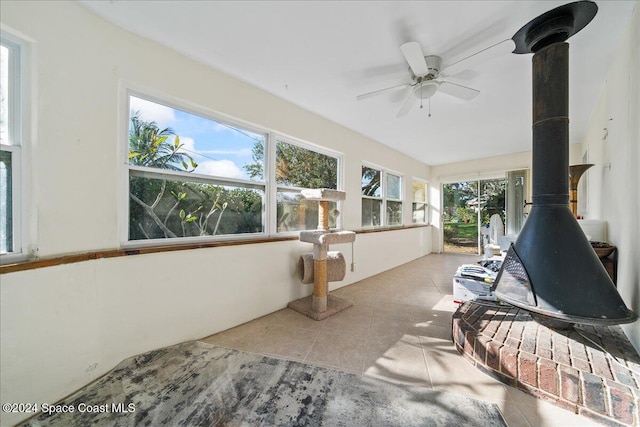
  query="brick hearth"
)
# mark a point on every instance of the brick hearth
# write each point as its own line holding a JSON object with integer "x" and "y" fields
{"x": 561, "y": 367}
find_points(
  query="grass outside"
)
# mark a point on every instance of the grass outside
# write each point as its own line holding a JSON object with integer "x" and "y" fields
{"x": 461, "y": 237}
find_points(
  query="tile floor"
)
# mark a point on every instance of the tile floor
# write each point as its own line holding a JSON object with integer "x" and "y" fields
{"x": 399, "y": 331}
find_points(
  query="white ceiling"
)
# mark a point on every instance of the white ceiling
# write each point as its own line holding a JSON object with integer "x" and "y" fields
{"x": 320, "y": 55}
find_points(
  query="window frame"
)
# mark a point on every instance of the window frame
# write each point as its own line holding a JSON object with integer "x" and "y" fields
{"x": 427, "y": 215}
{"x": 187, "y": 176}
{"x": 268, "y": 185}
{"x": 384, "y": 217}
{"x": 278, "y": 137}
{"x": 18, "y": 145}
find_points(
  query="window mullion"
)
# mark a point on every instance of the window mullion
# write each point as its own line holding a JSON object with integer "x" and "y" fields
{"x": 271, "y": 219}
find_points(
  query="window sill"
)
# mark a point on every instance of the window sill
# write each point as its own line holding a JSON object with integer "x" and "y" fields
{"x": 70, "y": 259}
{"x": 390, "y": 228}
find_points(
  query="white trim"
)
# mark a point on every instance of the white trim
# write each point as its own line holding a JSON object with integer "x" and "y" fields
{"x": 21, "y": 131}
{"x": 149, "y": 172}
{"x": 177, "y": 241}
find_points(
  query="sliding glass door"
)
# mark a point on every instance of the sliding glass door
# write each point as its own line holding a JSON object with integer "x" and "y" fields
{"x": 469, "y": 206}
{"x": 460, "y": 217}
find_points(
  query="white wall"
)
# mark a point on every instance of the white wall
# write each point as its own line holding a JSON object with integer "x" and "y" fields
{"x": 63, "y": 326}
{"x": 614, "y": 181}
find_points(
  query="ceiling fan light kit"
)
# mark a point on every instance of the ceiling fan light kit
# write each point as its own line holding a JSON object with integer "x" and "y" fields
{"x": 428, "y": 75}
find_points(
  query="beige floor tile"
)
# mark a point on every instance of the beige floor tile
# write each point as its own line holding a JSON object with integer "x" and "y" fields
{"x": 289, "y": 317}
{"x": 388, "y": 327}
{"x": 288, "y": 343}
{"x": 400, "y": 362}
{"x": 431, "y": 316}
{"x": 391, "y": 310}
{"x": 428, "y": 331}
{"x": 354, "y": 321}
{"x": 339, "y": 351}
{"x": 513, "y": 416}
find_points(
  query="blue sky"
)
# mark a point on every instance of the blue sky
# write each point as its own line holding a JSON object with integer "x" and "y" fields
{"x": 218, "y": 149}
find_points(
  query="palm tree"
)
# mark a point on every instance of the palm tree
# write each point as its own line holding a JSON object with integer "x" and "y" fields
{"x": 150, "y": 146}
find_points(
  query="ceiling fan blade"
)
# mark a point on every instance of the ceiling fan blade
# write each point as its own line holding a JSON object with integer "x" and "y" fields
{"x": 381, "y": 91}
{"x": 415, "y": 58}
{"x": 471, "y": 61}
{"x": 458, "y": 91}
{"x": 408, "y": 103}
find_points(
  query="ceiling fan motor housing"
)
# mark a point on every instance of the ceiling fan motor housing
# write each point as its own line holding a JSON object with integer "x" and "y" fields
{"x": 434, "y": 65}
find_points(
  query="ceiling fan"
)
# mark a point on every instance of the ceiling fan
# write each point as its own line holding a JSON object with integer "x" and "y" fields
{"x": 428, "y": 74}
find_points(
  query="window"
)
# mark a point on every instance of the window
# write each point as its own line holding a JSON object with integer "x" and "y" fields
{"x": 192, "y": 176}
{"x": 12, "y": 200}
{"x": 297, "y": 168}
{"x": 393, "y": 191}
{"x": 381, "y": 193}
{"x": 419, "y": 207}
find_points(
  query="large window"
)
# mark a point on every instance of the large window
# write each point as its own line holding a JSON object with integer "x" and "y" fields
{"x": 297, "y": 168}
{"x": 12, "y": 209}
{"x": 192, "y": 176}
{"x": 381, "y": 197}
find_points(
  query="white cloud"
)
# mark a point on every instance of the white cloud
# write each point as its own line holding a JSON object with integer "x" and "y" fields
{"x": 152, "y": 112}
{"x": 188, "y": 144}
{"x": 225, "y": 168}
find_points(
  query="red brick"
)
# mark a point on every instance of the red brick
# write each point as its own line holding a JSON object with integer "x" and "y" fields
{"x": 561, "y": 352}
{"x": 593, "y": 393}
{"x": 493, "y": 355}
{"x": 622, "y": 406}
{"x": 512, "y": 342}
{"x": 599, "y": 364}
{"x": 544, "y": 338}
{"x": 544, "y": 352}
{"x": 501, "y": 335}
{"x": 569, "y": 384}
{"x": 548, "y": 377}
{"x": 528, "y": 343}
{"x": 491, "y": 328}
{"x": 527, "y": 371}
{"x": 508, "y": 362}
{"x": 577, "y": 350}
{"x": 625, "y": 378}
{"x": 516, "y": 330}
{"x": 581, "y": 364}
{"x": 480, "y": 349}
{"x": 468, "y": 343}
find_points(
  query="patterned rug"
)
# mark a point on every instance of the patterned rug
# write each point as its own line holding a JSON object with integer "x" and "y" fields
{"x": 198, "y": 384}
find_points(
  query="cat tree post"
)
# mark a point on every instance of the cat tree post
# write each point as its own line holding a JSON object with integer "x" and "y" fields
{"x": 320, "y": 304}
{"x": 320, "y": 284}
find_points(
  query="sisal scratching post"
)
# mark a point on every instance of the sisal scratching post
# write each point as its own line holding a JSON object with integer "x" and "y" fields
{"x": 319, "y": 300}
{"x": 320, "y": 304}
